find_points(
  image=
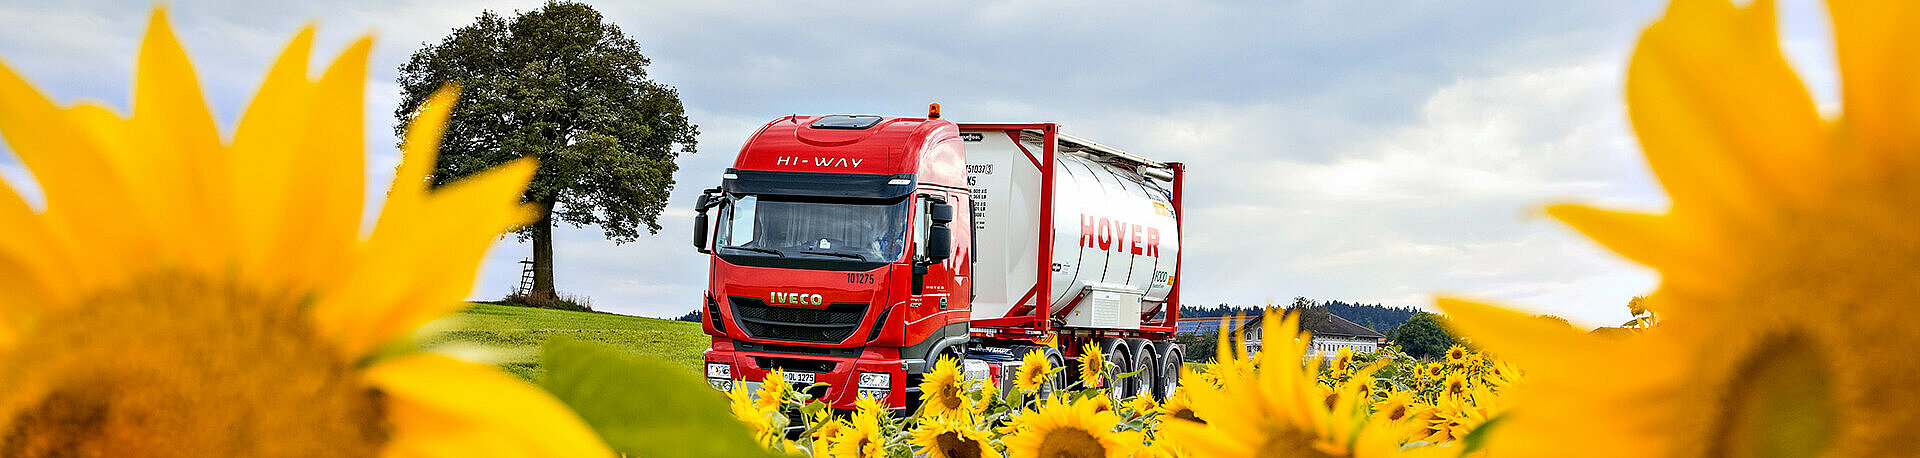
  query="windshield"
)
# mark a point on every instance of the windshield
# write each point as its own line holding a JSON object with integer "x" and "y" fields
{"x": 813, "y": 227}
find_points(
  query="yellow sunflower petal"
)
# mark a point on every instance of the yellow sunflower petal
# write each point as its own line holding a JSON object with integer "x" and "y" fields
{"x": 328, "y": 165}
{"x": 486, "y": 413}
{"x": 1719, "y": 142}
{"x": 488, "y": 203}
{"x": 261, "y": 146}
{"x": 1524, "y": 338}
{"x": 1874, "y": 46}
{"x": 83, "y": 198}
{"x": 178, "y": 170}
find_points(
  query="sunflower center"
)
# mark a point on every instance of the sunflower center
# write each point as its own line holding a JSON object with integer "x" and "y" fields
{"x": 175, "y": 365}
{"x": 1398, "y": 412}
{"x": 1071, "y": 443}
{"x": 1188, "y": 415}
{"x": 1780, "y": 404}
{"x": 953, "y": 446}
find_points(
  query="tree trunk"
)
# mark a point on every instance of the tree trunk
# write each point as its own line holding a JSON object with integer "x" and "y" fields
{"x": 543, "y": 254}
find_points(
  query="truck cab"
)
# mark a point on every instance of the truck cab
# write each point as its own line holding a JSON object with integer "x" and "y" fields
{"x": 837, "y": 255}
{"x": 844, "y": 248}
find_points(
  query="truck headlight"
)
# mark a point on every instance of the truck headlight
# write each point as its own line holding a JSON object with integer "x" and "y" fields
{"x": 719, "y": 370}
{"x": 876, "y": 380}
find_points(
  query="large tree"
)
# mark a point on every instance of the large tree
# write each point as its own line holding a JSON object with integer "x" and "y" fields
{"x": 562, "y": 85}
{"x": 1422, "y": 336}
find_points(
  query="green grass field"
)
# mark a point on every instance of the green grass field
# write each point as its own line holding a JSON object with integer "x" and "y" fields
{"x": 513, "y": 335}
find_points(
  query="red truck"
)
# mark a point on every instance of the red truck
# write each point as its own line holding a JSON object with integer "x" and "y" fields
{"x": 837, "y": 254}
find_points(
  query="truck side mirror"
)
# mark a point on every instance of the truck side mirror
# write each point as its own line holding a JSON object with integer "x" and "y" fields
{"x": 700, "y": 231}
{"x": 939, "y": 236}
{"x": 939, "y": 243}
{"x": 700, "y": 220}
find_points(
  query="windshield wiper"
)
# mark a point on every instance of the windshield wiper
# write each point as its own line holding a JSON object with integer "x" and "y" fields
{"x": 833, "y": 253}
{"x": 756, "y": 250}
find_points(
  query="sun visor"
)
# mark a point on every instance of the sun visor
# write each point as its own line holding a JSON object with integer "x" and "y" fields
{"x": 823, "y": 184}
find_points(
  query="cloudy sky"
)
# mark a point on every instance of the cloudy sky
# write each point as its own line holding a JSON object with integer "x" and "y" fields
{"x": 1373, "y": 151}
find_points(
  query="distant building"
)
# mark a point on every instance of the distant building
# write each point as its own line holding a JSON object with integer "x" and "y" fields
{"x": 1330, "y": 334}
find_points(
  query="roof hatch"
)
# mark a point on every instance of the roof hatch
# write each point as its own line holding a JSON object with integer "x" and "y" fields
{"x": 849, "y": 122}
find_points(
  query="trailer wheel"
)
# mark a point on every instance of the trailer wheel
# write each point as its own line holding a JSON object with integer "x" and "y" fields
{"x": 1172, "y": 358}
{"x": 1145, "y": 366}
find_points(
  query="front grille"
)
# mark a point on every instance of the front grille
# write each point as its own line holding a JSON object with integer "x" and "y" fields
{"x": 794, "y": 364}
{"x": 799, "y": 324}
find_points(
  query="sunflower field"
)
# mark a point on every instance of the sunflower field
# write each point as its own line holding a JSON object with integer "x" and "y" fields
{"x": 1344, "y": 404}
{"x": 184, "y": 291}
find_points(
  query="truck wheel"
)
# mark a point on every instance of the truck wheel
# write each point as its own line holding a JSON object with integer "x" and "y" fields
{"x": 1145, "y": 365}
{"x": 1172, "y": 358}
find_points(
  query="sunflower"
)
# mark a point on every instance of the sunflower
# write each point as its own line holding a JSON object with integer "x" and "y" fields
{"x": 1033, "y": 372}
{"x": 745, "y": 408}
{"x": 1280, "y": 410}
{"x": 180, "y": 295}
{"x": 1399, "y": 405}
{"x": 1179, "y": 406}
{"x": 866, "y": 404}
{"x": 1455, "y": 385}
{"x": 1456, "y": 355}
{"x": 829, "y": 429}
{"x": 773, "y": 391}
{"x": 1059, "y": 429}
{"x": 944, "y": 438}
{"x": 1789, "y": 237}
{"x": 1341, "y": 358}
{"x": 1141, "y": 406}
{"x": 1093, "y": 363}
{"x": 860, "y": 438}
{"x": 942, "y": 392}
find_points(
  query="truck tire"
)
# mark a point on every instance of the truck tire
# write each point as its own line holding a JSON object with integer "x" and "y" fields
{"x": 1172, "y": 358}
{"x": 1145, "y": 363}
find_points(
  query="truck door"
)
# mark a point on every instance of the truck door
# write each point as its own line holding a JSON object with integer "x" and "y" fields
{"x": 935, "y": 278}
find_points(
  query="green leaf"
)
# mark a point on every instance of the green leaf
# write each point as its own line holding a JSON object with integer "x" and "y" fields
{"x": 644, "y": 406}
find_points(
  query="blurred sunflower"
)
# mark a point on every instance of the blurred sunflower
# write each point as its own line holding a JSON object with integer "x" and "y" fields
{"x": 942, "y": 392}
{"x": 1032, "y": 375}
{"x": 944, "y": 438}
{"x": 1141, "y": 406}
{"x": 1455, "y": 385}
{"x": 745, "y": 408}
{"x": 1062, "y": 429}
{"x": 1399, "y": 405}
{"x": 181, "y": 296}
{"x": 1093, "y": 363}
{"x": 1789, "y": 238}
{"x": 1279, "y": 410}
{"x": 1180, "y": 406}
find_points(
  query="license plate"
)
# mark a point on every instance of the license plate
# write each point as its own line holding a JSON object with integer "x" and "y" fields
{"x": 800, "y": 378}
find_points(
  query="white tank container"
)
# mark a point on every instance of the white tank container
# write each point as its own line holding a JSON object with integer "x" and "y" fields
{"x": 1115, "y": 236}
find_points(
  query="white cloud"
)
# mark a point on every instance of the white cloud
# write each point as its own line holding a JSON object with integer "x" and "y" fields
{"x": 1342, "y": 150}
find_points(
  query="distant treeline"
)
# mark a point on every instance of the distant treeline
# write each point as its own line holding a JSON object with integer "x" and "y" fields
{"x": 1374, "y": 316}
